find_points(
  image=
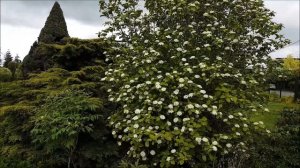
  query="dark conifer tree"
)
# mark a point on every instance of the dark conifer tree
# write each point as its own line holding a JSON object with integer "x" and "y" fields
{"x": 7, "y": 59}
{"x": 55, "y": 27}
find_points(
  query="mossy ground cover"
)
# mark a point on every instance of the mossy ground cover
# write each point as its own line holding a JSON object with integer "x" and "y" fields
{"x": 270, "y": 118}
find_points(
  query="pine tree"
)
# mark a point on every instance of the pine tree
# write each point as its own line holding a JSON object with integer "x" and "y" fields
{"x": 17, "y": 59}
{"x": 7, "y": 59}
{"x": 55, "y": 27}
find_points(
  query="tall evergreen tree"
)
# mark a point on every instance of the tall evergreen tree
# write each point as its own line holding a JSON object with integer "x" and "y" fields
{"x": 17, "y": 59}
{"x": 55, "y": 27}
{"x": 7, "y": 59}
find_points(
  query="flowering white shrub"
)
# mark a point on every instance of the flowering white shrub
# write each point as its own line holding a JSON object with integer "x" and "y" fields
{"x": 187, "y": 73}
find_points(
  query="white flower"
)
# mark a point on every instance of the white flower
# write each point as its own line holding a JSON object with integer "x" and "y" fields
{"x": 215, "y": 143}
{"x": 143, "y": 154}
{"x": 197, "y": 48}
{"x": 146, "y": 41}
{"x": 183, "y": 59}
{"x": 190, "y": 106}
{"x": 113, "y": 132}
{"x": 205, "y": 14}
{"x": 206, "y": 45}
{"x": 245, "y": 125}
{"x": 183, "y": 129}
{"x": 179, "y": 113}
{"x": 204, "y": 139}
{"x": 163, "y": 89}
{"x": 176, "y": 91}
{"x": 162, "y": 117}
{"x": 137, "y": 111}
{"x": 168, "y": 36}
{"x": 185, "y": 43}
{"x": 152, "y": 152}
{"x": 159, "y": 141}
{"x": 176, "y": 103}
{"x": 136, "y": 126}
{"x": 176, "y": 40}
{"x": 230, "y": 116}
{"x": 181, "y": 80}
{"x": 185, "y": 119}
{"x": 219, "y": 58}
{"x": 179, "y": 49}
{"x": 204, "y": 106}
{"x": 228, "y": 145}
{"x": 202, "y": 91}
{"x": 161, "y": 43}
{"x": 160, "y": 61}
{"x": 237, "y": 133}
{"x": 170, "y": 106}
{"x": 175, "y": 120}
{"x": 168, "y": 159}
{"x": 197, "y": 76}
{"x": 173, "y": 150}
{"x": 237, "y": 125}
{"x": 214, "y": 148}
{"x": 198, "y": 140}
{"x": 214, "y": 112}
{"x": 155, "y": 102}
{"x": 243, "y": 82}
{"x": 135, "y": 118}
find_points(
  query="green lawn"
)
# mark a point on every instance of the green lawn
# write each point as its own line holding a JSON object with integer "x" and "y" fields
{"x": 270, "y": 118}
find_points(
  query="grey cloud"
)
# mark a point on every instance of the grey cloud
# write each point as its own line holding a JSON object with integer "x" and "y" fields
{"x": 34, "y": 13}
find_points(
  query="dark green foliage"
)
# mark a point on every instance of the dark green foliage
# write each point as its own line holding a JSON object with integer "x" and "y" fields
{"x": 72, "y": 54}
{"x": 55, "y": 27}
{"x": 22, "y": 103}
{"x": 7, "y": 59}
{"x": 62, "y": 119}
{"x": 281, "y": 149}
{"x": 14, "y": 163}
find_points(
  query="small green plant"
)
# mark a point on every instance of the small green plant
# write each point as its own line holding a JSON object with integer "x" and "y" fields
{"x": 59, "y": 122}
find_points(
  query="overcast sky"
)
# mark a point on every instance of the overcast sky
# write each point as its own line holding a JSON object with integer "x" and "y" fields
{"x": 22, "y": 20}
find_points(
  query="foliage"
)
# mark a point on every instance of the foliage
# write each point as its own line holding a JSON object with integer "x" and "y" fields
{"x": 282, "y": 148}
{"x": 71, "y": 54}
{"x": 23, "y": 102}
{"x": 14, "y": 163}
{"x": 196, "y": 72}
{"x": 55, "y": 27}
{"x": 58, "y": 123}
{"x": 5, "y": 74}
{"x": 7, "y": 59}
{"x": 291, "y": 64}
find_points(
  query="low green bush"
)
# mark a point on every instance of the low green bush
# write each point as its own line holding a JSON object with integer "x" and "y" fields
{"x": 5, "y": 75}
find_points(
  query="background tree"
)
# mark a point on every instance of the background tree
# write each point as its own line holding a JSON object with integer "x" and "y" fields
{"x": 293, "y": 66}
{"x": 185, "y": 98}
{"x": 7, "y": 59}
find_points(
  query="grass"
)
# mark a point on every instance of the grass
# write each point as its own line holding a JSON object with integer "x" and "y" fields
{"x": 270, "y": 118}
